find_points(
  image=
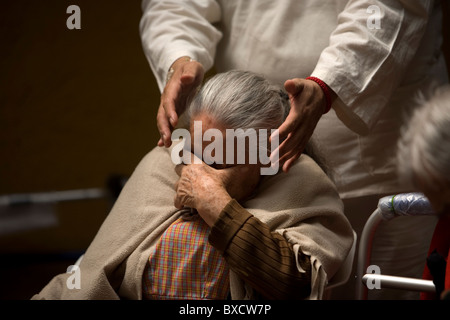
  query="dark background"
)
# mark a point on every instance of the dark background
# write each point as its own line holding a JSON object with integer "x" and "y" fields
{"x": 76, "y": 107}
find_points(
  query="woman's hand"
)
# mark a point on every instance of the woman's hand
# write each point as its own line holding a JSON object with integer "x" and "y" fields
{"x": 209, "y": 190}
{"x": 200, "y": 188}
{"x": 182, "y": 84}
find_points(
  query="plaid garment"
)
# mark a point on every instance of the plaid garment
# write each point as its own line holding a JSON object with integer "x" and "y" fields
{"x": 185, "y": 266}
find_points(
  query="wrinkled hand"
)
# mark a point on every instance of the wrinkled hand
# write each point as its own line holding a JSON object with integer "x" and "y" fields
{"x": 182, "y": 85}
{"x": 308, "y": 103}
{"x": 209, "y": 190}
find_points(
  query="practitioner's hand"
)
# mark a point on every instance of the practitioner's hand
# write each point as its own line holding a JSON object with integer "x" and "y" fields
{"x": 182, "y": 85}
{"x": 209, "y": 190}
{"x": 308, "y": 103}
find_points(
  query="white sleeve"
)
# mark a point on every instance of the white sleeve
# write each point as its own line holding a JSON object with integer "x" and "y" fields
{"x": 365, "y": 62}
{"x": 172, "y": 29}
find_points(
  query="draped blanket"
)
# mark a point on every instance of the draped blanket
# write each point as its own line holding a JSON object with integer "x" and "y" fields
{"x": 302, "y": 205}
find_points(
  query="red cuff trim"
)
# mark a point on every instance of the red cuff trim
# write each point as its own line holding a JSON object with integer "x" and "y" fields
{"x": 325, "y": 90}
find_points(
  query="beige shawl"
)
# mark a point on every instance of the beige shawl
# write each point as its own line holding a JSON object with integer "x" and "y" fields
{"x": 302, "y": 205}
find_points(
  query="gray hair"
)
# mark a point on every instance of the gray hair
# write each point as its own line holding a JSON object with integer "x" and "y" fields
{"x": 241, "y": 99}
{"x": 424, "y": 148}
{"x": 245, "y": 100}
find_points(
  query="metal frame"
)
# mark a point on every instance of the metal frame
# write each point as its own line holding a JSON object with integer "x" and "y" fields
{"x": 387, "y": 210}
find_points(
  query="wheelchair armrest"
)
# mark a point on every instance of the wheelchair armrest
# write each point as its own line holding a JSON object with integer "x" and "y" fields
{"x": 405, "y": 204}
{"x": 378, "y": 281}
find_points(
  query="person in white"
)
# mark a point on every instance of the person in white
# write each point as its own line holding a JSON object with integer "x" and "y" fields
{"x": 368, "y": 60}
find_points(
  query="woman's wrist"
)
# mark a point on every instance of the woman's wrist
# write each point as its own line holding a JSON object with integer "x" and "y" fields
{"x": 211, "y": 210}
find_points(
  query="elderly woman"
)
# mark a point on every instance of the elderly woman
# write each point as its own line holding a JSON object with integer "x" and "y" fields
{"x": 424, "y": 162}
{"x": 218, "y": 230}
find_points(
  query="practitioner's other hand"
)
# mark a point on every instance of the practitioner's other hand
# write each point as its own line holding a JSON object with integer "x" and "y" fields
{"x": 183, "y": 81}
{"x": 308, "y": 103}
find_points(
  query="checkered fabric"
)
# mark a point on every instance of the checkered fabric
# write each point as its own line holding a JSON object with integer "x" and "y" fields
{"x": 185, "y": 266}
